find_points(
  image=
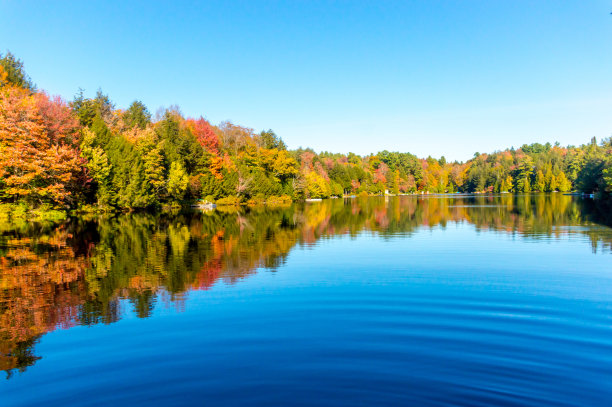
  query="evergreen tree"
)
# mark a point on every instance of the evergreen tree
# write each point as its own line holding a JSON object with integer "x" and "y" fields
{"x": 137, "y": 115}
{"x": 540, "y": 182}
{"x": 12, "y": 72}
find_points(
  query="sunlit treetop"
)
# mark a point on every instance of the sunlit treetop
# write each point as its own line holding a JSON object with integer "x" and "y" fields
{"x": 12, "y": 72}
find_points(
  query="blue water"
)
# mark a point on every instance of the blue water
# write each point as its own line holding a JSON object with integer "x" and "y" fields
{"x": 440, "y": 312}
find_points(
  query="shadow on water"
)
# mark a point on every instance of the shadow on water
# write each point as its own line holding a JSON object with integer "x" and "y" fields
{"x": 77, "y": 272}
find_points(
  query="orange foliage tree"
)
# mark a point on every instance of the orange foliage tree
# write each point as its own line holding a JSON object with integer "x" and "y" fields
{"x": 39, "y": 161}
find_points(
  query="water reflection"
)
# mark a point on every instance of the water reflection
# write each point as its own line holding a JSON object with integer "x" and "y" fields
{"x": 77, "y": 273}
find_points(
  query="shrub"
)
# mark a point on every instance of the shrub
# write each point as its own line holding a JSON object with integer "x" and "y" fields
{"x": 279, "y": 200}
{"x": 229, "y": 201}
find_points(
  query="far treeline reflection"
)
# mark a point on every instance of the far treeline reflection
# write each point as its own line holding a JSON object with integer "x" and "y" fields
{"x": 76, "y": 273}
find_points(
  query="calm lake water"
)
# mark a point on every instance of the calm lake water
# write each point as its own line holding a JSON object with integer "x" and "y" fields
{"x": 435, "y": 300}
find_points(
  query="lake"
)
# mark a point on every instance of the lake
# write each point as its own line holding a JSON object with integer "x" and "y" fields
{"x": 410, "y": 300}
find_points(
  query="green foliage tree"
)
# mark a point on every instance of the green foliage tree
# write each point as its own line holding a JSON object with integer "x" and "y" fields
{"x": 523, "y": 175}
{"x": 268, "y": 139}
{"x": 99, "y": 169}
{"x": 607, "y": 176}
{"x": 563, "y": 183}
{"x": 12, "y": 72}
{"x": 137, "y": 115}
{"x": 540, "y": 182}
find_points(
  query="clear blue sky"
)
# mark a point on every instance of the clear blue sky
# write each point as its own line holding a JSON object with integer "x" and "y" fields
{"x": 430, "y": 77}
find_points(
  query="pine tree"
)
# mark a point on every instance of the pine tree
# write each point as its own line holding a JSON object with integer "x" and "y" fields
{"x": 540, "y": 183}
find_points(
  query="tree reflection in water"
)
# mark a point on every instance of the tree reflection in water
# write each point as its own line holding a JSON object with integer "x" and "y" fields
{"x": 76, "y": 273}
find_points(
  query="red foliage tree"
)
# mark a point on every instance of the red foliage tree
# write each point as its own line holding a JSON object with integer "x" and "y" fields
{"x": 58, "y": 120}
{"x": 205, "y": 134}
{"x": 306, "y": 159}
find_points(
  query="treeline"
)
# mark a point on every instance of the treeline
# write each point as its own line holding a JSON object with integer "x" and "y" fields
{"x": 89, "y": 154}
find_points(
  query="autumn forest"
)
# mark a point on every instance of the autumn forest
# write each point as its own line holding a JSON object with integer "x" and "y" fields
{"x": 89, "y": 155}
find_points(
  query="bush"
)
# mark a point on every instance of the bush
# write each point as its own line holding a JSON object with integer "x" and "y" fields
{"x": 5, "y": 210}
{"x": 20, "y": 211}
{"x": 279, "y": 200}
{"x": 229, "y": 201}
{"x": 336, "y": 189}
{"x": 48, "y": 215}
{"x": 260, "y": 199}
